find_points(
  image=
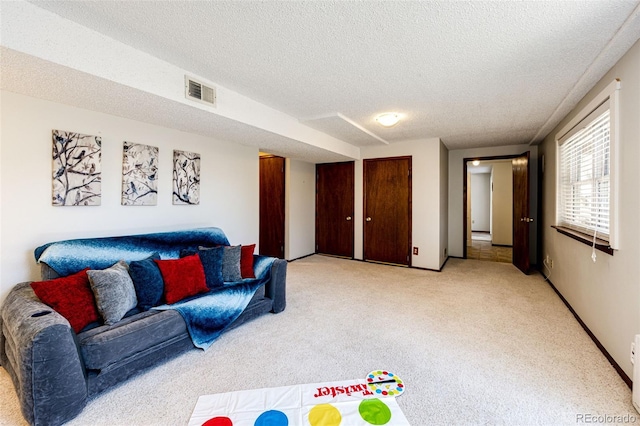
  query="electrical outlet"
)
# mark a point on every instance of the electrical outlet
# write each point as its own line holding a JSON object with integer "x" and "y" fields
{"x": 551, "y": 263}
{"x": 633, "y": 352}
{"x": 415, "y": 251}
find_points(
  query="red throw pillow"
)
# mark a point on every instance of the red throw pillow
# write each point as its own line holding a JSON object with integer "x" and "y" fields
{"x": 71, "y": 297}
{"x": 182, "y": 277}
{"x": 246, "y": 261}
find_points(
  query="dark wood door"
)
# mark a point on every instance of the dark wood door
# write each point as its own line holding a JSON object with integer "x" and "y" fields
{"x": 521, "y": 219}
{"x": 387, "y": 210}
{"x": 272, "y": 206}
{"x": 334, "y": 208}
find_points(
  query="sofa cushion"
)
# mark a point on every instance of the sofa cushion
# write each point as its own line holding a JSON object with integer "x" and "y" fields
{"x": 211, "y": 259}
{"x": 182, "y": 278}
{"x": 231, "y": 264}
{"x": 147, "y": 280}
{"x": 108, "y": 344}
{"x": 246, "y": 261}
{"x": 71, "y": 297}
{"x": 114, "y": 291}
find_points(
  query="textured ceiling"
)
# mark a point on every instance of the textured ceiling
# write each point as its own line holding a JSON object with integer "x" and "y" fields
{"x": 472, "y": 73}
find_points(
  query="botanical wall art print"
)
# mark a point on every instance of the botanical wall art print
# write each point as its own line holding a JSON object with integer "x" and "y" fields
{"x": 76, "y": 175}
{"x": 139, "y": 174}
{"x": 186, "y": 177}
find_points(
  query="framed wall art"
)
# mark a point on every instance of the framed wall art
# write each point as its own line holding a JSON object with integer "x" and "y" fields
{"x": 186, "y": 177}
{"x": 76, "y": 176}
{"x": 139, "y": 174}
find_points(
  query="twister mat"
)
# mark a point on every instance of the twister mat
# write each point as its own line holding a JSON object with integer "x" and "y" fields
{"x": 343, "y": 403}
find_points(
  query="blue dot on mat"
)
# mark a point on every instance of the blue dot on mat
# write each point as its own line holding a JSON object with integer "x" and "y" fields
{"x": 272, "y": 418}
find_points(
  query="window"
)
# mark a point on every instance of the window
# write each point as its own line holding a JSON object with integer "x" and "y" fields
{"x": 586, "y": 184}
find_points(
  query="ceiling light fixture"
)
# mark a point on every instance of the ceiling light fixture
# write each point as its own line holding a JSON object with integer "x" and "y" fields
{"x": 388, "y": 119}
{"x": 476, "y": 162}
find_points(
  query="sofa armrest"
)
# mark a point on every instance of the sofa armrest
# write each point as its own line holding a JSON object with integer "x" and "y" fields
{"x": 38, "y": 349}
{"x": 276, "y": 288}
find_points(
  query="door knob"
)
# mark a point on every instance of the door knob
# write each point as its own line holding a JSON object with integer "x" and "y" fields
{"x": 368, "y": 219}
{"x": 348, "y": 217}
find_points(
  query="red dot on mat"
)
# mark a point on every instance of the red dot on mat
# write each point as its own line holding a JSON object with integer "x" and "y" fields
{"x": 218, "y": 421}
{"x": 383, "y": 392}
{"x": 400, "y": 385}
{"x": 385, "y": 373}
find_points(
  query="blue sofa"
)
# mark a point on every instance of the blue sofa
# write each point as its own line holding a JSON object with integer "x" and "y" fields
{"x": 55, "y": 370}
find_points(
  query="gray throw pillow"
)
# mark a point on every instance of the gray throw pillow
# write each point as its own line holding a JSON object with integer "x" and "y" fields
{"x": 231, "y": 263}
{"x": 114, "y": 291}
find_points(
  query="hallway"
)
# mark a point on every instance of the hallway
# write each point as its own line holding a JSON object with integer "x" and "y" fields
{"x": 482, "y": 249}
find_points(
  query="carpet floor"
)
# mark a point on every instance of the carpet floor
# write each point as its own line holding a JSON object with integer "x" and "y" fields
{"x": 476, "y": 344}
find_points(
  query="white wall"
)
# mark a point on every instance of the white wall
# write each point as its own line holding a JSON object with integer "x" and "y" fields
{"x": 229, "y": 188}
{"x": 502, "y": 204}
{"x": 426, "y": 197}
{"x": 456, "y": 177}
{"x": 444, "y": 204}
{"x": 300, "y": 209}
{"x": 605, "y": 294}
{"x": 480, "y": 202}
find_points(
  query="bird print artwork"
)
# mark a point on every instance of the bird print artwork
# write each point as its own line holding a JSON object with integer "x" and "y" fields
{"x": 77, "y": 178}
{"x": 139, "y": 174}
{"x": 80, "y": 155}
{"x": 186, "y": 177}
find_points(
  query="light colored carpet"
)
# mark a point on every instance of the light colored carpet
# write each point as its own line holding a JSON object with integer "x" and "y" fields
{"x": 479, "y": 343}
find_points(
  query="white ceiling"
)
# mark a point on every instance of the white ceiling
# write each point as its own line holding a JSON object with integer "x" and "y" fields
{"x": 472, "y": 73}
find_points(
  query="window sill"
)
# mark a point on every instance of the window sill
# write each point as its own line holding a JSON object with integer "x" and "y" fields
{"x": 601, "y": 245}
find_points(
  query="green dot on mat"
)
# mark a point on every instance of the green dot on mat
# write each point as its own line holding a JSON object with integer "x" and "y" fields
{"x": 374, "y": 411}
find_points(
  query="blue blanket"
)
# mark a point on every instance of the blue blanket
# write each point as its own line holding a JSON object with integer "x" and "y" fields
{"x": 70, "y": 256}
{"x": 208, "y": 315}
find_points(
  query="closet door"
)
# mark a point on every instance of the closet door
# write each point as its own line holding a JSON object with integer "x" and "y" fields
{"x": 387, "y": 210}
{"x": 272, "y": 206}
{"x": 334, "y": 208}
{"x": 521, "y": 220}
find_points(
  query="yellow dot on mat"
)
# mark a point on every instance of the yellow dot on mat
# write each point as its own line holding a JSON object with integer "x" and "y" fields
{"x": 324, "y": 415}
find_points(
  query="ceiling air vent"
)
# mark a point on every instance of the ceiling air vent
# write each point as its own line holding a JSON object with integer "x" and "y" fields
{"x": 197, "y": 91}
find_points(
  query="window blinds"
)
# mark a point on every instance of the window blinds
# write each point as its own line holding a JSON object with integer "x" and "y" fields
{"x": 584, "y": 166}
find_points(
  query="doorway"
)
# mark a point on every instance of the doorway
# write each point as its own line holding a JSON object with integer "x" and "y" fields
{"x": 496, "y": 206}
{"x": 489, "y": 211}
